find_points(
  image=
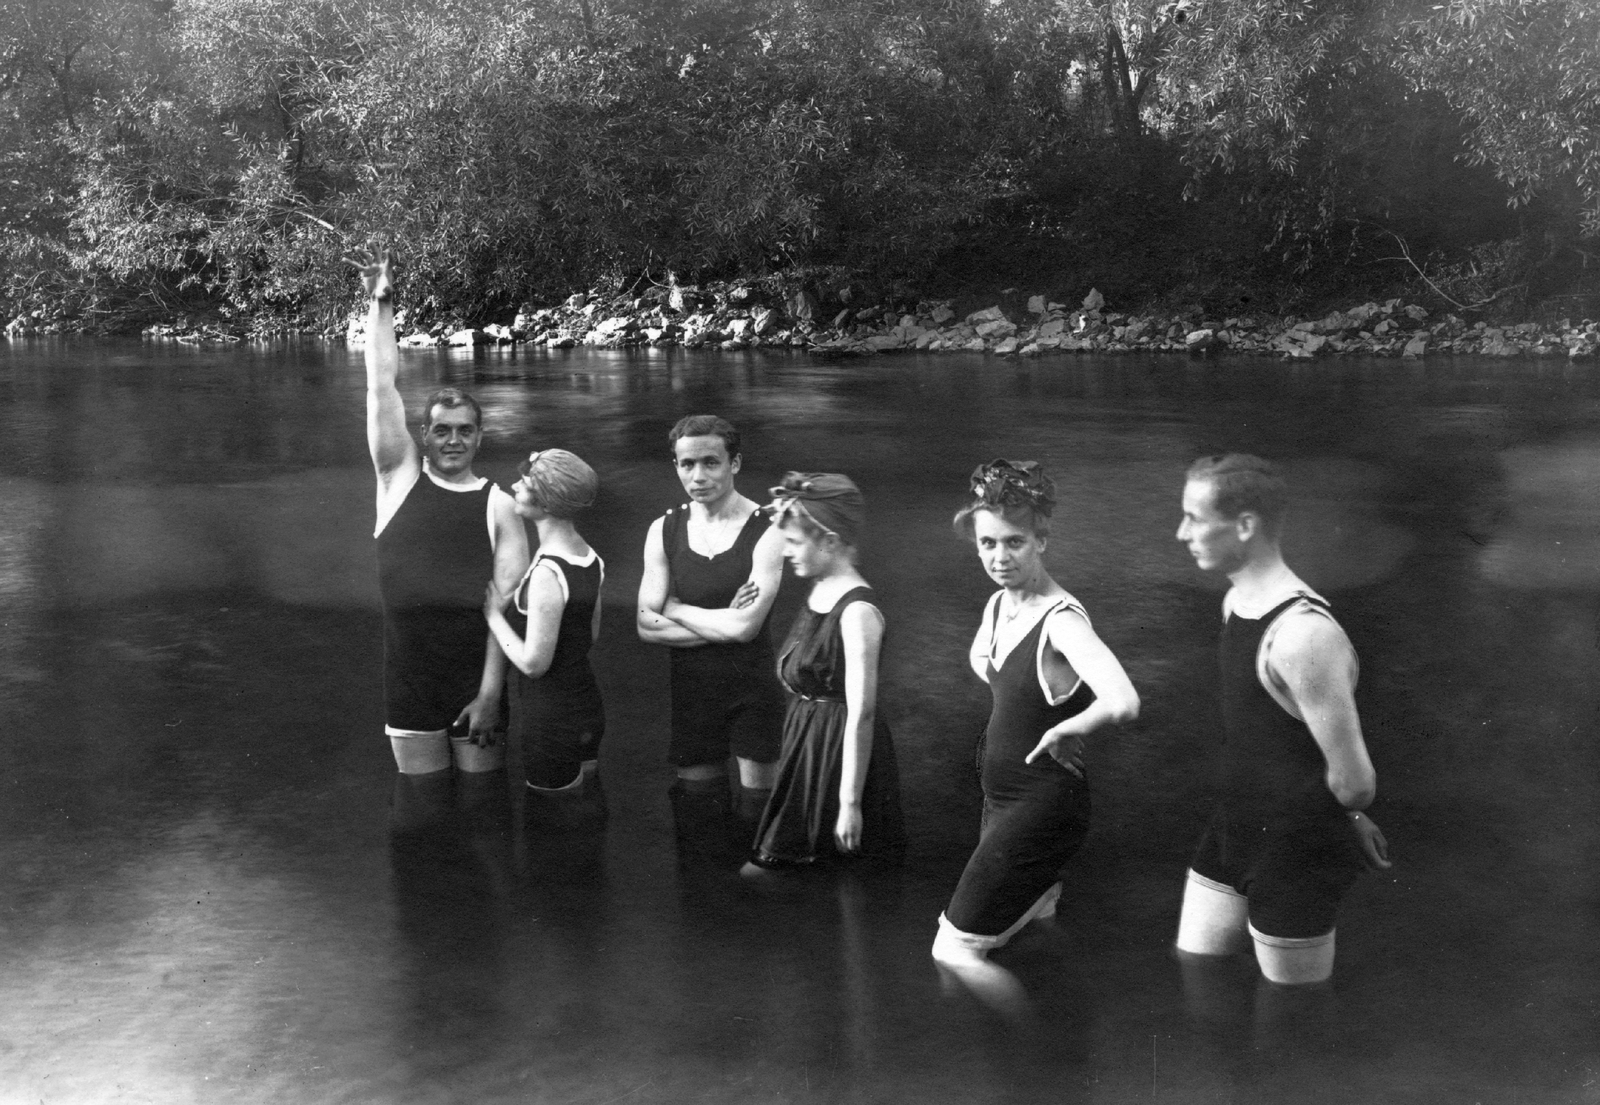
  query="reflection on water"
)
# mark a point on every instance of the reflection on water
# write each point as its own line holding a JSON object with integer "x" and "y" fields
{"x": 213, "y": 890}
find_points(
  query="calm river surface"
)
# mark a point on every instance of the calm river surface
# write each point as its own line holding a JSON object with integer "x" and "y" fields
{"x": 202, "y": 901}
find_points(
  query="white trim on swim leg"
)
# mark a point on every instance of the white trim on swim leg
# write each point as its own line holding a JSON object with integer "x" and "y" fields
{"x": 565, "y": 788}
{"x": 1043, "y": 906}
{"x": 1294, "y": 960}
{"x": 474, "y": 758}
{"x": 1214, "y": 917}
{"x": 417, "y": 751}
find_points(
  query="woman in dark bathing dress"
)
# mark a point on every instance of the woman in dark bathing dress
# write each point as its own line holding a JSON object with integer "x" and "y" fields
{"x": 1054, "y": 682}
{"x": 838, "y": 790}
{"x": 557, "y": 712}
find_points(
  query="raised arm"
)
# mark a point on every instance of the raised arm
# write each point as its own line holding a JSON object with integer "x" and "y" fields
{"x": 738, "y": 623}
{"x": 655, "y": 627}
{"x": 861, "y": 629}
{"x": 394, "y": 454}
{"x": 1115, "y": 700}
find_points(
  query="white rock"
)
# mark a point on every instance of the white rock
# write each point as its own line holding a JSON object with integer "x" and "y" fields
{"x": 1094, "y": 300}
{"x": 1036, "y": 305}
{"x": 988, "y": 314}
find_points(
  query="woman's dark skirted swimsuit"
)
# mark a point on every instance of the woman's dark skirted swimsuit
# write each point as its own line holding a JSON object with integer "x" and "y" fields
{"x": 559, "y": 715}
{"x": 1034, "y": 815}
{"x": 797, "y": 826}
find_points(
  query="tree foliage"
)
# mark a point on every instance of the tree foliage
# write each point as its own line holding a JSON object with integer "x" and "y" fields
{"x": 234, "y": 150}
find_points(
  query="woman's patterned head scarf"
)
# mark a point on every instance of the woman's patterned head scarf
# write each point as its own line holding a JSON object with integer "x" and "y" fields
{"x": 830, "y": 500}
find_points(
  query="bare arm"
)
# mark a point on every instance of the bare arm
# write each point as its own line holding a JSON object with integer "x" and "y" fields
{"x": 738, "y": 623}
{"x": 861, "y": 629}
{"x": 532, "y": 652}
{"x": 1115, "y": 700}
{"x": 1312, "y": 660}
{"x": 482, "y": 714}
{"x": 654, "y": 627}
{"x": 394, "y": 454}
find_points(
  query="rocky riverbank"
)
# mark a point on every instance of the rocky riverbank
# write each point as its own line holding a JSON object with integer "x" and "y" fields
{"x": 742, "y": 316}
{"x": 734, "y": 317}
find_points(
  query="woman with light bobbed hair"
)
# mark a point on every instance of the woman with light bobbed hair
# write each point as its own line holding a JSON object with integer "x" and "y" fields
{"x": 1053, "y": 683}
{"x": 555, "y": 701}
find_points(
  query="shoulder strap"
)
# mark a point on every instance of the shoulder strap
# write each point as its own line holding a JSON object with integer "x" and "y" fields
{"x": 673, "y": 529}
{"x": 986, "y": 629}
{"x": 1301, "y": 602}
{"x": 1057, "y": 678}
{"x": 556, "y": 564}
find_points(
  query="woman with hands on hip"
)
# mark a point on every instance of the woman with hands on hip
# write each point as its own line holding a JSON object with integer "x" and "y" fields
{"x": 1054, "y": 682}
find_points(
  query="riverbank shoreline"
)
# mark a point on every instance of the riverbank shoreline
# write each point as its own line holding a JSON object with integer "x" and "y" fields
{"x": 736, "y": 316}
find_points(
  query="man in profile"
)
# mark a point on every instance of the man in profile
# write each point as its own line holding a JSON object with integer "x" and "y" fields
{"x": 711, "y": 573}
{"x": 443, "y": 532}
{"x": 1289, "y": 834}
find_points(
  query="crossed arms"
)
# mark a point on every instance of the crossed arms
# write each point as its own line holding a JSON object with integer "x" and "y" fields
{"x": 663, "y": 620}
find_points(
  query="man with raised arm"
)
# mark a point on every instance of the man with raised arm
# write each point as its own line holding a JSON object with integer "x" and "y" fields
{"x": 1288, "y": 836}
{"x": 711, "y": 572}
{"x": 442, "y": 534}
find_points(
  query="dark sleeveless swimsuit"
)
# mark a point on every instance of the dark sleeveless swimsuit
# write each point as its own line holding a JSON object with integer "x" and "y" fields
{"x": 434, "y": 561}
{"x": 1278, "y": 835}
{"x": 725, "y": 697}
{"x": 797, "y": 825}
{"x": 559, "y": 716}
{"x": 1034, "y": 815}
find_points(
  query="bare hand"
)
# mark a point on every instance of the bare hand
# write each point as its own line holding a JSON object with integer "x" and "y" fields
{"x": 377, "y": 271}
{"x": 1374, "y": 847}
{"x": 494, "y": 600}
{"x": 1064, "y": 749}
{"x": 745, "y": 595}
{"x": 847, "y": 830}
{"x": 480, "y": 717}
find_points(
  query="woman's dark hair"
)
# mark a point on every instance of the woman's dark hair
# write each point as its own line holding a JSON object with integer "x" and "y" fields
{"x": 1018, "y": 491}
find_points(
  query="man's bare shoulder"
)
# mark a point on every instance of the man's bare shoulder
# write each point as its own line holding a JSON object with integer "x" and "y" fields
{"x": 1308, "y": 636}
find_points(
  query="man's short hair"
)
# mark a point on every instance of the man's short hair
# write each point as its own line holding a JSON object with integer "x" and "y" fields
{"x": 705, "y": 425}
{"x": 1241, "y": 482}
{"x": 452, "y": 398}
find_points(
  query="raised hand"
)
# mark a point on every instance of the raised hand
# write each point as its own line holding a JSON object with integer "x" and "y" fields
{"x": 377, "y": 271}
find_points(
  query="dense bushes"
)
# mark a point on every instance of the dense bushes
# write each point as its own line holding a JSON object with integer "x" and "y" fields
{"x": 173, "y": 153}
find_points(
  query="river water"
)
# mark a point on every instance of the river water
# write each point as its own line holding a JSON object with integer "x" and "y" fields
{"x": 203, "y": 900}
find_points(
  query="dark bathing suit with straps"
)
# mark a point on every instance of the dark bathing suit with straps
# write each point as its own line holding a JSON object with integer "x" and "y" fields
{"x": 1278, "y": 835}
{"x": 797, "y": 825}
{"x": 434, "y": 558}
{"x": 559, "y": 715}
{"x": 1035, "y": 815}
{"x": 725, "y": 696}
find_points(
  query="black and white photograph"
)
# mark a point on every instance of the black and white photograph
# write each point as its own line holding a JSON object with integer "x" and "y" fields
{"x": 800, "y": 552}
